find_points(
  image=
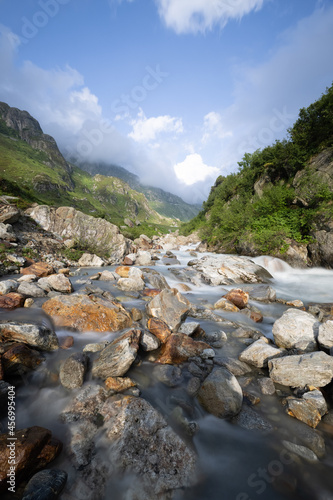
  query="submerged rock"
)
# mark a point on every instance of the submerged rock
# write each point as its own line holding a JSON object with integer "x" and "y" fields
{"x": 296, "y": 330}
{"x": 45, "y": 485}
{"x": 221, "y": 394}
{"x": 169, "y": 306}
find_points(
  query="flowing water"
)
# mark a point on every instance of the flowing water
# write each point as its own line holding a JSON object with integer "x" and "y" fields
{"x": 233, "y": 463}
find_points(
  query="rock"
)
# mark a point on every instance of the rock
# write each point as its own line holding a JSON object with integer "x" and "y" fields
{"x": 296, "y": 330}
{"x": 136, "y": 314}
{"x": 8, "y": 286}
{"x": 30, "y": 453}
{"x": 60, "y": 283}
{"x": 9, "y": 214}
{"x": 85, "y": 312}
{"x": 122, "y": 271}
{"x": 150, "y": 292}
{"x": 73, "y": 370}
{"x": 141, "y": 442}
{"x": 221, "y": 394}
{"x": 189, "y": 328}
{"x": 34, "y": 335}
{"x": 236, "y": 367}
{"x": 295, "y": 303}
{"x": 226, "y": 305}
{"x": 92, "y": 232}
{"x": 309, "y": 408}
{"x": 27, "y": 278}
{"x": 86, "y": 405}
{"x": 66, "y": 342}
{"x": 179, "y": 347}
{"x": 149, "y": 342}
{"x": 159, "y": 329}
{"x": 20, "y": 359}
{"x": 325, "y": 336}
{"x": 31, "y": 290}
{"x": 7, "y": 233}
{"x": 170, "y": 376}
{"x": 45, "y": 485}
{"x": 267, "y": 386}
{"x": 259, "y": 353}
{"x": 239, "y": 298}
{"x": 253, "y": 313}
{"x": 129, "y": 259}
{"x": 131, "y": 284}
{"x": 170, "y": 306}
{"x": 301, "y": 451}
{"x": 312, "y": 369}
{"x": 92, "y": 260}
{"x": 117, "y": 357}
{"x": 119, "y": 384}
{"x": 156, "y": 280}
{"x": 16, "y": 259}
{"x": 39, "y": 269}
{"x": 99, "y": 346}
{"x": 12, "y": 301}
{"x": 107, "y": 276}
{"x": 143, "y": 258}
{"x": 249, "y": 419}
{"x": 227, "y": 270}
{"x": 261, "y": 293}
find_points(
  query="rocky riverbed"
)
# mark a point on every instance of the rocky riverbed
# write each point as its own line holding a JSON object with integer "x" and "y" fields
{"x": 170, "y": 375}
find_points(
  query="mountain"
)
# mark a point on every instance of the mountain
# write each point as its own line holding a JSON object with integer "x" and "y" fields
{"x": 165, "y": 203}
{"x": 280, "y": 202}
{"x": 32, "y": 167}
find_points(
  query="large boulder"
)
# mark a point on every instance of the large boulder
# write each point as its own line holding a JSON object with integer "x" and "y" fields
{"x": 34, "y": 335}
{"x": 229, "y": 269}
{"x": 312, "y": 369}
{"x": 259, "y": 353}
{"x": 95, "y": 233}
{"x": 296, "y": 330}
{"x": 87, "y": 312}
{"x": 221, "y": 394}
{"x": 170, "y": 306}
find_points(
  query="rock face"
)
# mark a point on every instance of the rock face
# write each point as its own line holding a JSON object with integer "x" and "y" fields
{"x": 226, "y": 270}
{"x": 85, "y": 312}
{"x": 296, "y": 330}
{"x": 116, "y": 358}
{"x": 312, "y": 369}
{"x": 259, "y": 353}
{"x": 140, "y": 441}
{"x": 169, "y": 306}
{"x": 34, "y": 335}
{"x": 221, "y": 394}
{"x": 95, "y": 233}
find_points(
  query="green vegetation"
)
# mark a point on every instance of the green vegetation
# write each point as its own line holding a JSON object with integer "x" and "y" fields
{"x": 277, "y": 194}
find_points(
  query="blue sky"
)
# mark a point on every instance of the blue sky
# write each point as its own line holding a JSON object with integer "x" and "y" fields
{"x": 173, "y": 90}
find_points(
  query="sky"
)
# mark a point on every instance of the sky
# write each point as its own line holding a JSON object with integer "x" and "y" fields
{"x": 176, "y": 91}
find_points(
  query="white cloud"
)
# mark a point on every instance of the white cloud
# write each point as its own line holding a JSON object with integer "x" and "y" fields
{"x": 193, "y": 16}
{"x": 147, "y": 129}
{"x": 193, "y": 170}
{"x": 213, "y": 127}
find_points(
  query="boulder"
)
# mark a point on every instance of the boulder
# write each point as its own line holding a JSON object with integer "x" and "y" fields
{"x": 309, "y": 408}
{"x": 39, "y": 269}
{"x": 225, "y": 305}
{"x": 92, "y": 260}
{"x": 20, "y": 359}
{"x": 60, "y": 283}
{"x": 73, "y": 370}
{"x": 12, "y": 301}
{"x": 261, "y": 293}
{"x": 266, "y": 386}
{"x": 169, "y": 306}
{"x": 221, "y": 394}
{"x": 131, "y": 284}
{"x": 45, "y": 485}
{"x": 239, "y": 298}
{"x": 119, "y": 384}
{"x": 179, "y": 347}
{"x": 31, "y": 290}
{"x": 6, "y": 232}
{"x": 159, "y": 329}
{"x": 107, "y": 276}
{"x": 189, "y": 328}
{"x": 9, "y": 214}
{"x": 149, "y": 342}
{"x": 312, "y": 369}
{"x": 143, "y": 258}
{"x": 38, "y": 336}
{"x": 325, "y": 336}
{"x": 236, "y": 367}
{"x": 92, "y": 232}
{"x": 296, "y": 330}
{"x": 85, "y": 312}
{"x": 155, "y": 279}
{"x": 227, "y": 270}
{"x": 259, "y": 353}
{"x": 122, "y": 271}
{"x": 117, "y": 357}
{"x": 8, "y": 286}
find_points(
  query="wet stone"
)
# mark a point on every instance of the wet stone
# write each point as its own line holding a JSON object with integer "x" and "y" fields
{"x": 73, "y": 370}
{"x": 170, "y": 376}
{"x": 45, "y": 485}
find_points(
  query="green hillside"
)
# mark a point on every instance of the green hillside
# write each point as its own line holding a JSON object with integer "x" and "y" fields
{"x": 279, "y": 195}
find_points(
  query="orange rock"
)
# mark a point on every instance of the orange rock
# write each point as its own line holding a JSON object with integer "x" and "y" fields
{"x": 119, "y": 384}
{"x": 183, "y": 287}
{"x": 123, "y": 271}
{"x": 256, "y": 317}
{"x": 12, "y": 300}
{"x": 19, "y": 358}
{"x": 64, "y": 271}
{"x": 238, "y": 297}
{"x": 67, "y": 342}
{"x": 40, "y": 269}
{"x": 160, "y": 329}
{"x": 178, "y": 348}
{"x": 151, "y": 292}
{"x": 127, "y": 261}
{"x": 87, "y": 313}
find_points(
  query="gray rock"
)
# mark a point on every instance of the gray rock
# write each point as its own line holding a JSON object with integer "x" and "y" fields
{"x": 325, "y": 336}
{"x": 131, "y": 284}
{"x": 9, "y": 214}
{"x": 296, "y": 330}
{"x": 169, "y": 306}
{"x": 16, "y": 259}
{"x": 73, "y": 370}
{"x": 259, "y": 353}
{"x": 189, "y": 328}
{"x": 236, "y": 367}
{"x": 250, "y": 419}
{"x": 8, "y": 286}
{"x": 301, "y": 451}
{"x": 193, "y": 386}
{"x": 167, "y": 374}
{"x": 85, "y": 406}
{"x": 6, "y": 232}
{"x": 45, "y": 485}
{"x": 31, "y": 290}
{"x": 92, "y": 260}
{"x": 266, "y": 386}
{"x": 39, "y": 336}
{"x": 221, "y": 394}
{"x": 149, "y": 342}
{"x": 143, "y": 258}
{"x": 313, "y": 369}
{"x": 95, "y": 347}
{"x": 156, "y": 280}
{"x": 116, "y": 358}
{"x": 27, "y": 278}
{"x": 261, "y": 293}
{"x": 60, "y": 283}
{"x": 108, "y": 276}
